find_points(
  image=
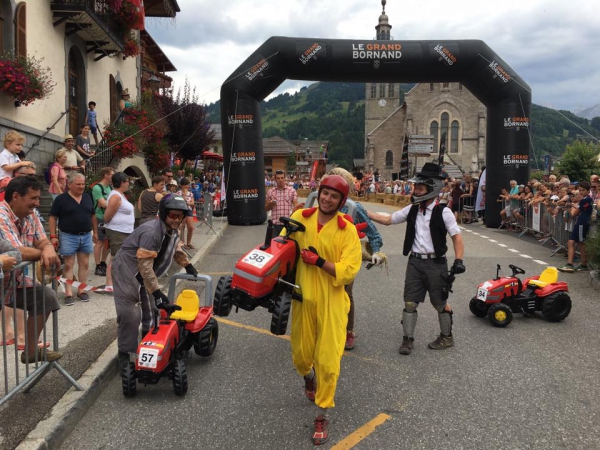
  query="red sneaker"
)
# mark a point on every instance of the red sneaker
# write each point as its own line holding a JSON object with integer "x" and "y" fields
{"x": 321, "y": 434}
{"x": 310, "y": 387}
{"x": 349, "y": 340}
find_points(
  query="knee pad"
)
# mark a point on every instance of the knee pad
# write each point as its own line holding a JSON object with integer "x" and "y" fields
{"x": 445, "y": 318}
{"x": 410, "y": 306}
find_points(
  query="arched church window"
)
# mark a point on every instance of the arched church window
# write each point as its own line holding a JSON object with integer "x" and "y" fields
{"x": 21, "y": 30}
{"x": 389, "y": 158}
{"x": 433, "y": 129}
{"x": 445, "y": 122}
{"x": 454, "y": 137}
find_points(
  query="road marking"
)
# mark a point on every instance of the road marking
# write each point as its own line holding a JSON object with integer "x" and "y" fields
{"x": 469, "y": 231}
{"x": 485, "y": 237}
{"x": 525, "y": 256}
{"x": 251, "y": 328}
{"x": 492, "y": 240}
{"x": 476, "y": 234}
{"x": 513, "y": 250}
{"x": 361, "y": 433}
{"x": 541, "y": 262}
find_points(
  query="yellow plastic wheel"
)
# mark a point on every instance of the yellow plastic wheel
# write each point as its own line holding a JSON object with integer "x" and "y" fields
{"x": 500, "y": 316}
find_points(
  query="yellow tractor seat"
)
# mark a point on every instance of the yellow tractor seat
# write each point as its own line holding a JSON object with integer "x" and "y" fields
{"x": 188, "y": 300}
{"x": 548, "y": 276}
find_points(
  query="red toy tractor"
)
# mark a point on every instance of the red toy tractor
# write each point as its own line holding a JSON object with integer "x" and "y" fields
{"x": 263, "y": 277}
{"x": 184, "y": 325}
{"x": 499, "y": 298}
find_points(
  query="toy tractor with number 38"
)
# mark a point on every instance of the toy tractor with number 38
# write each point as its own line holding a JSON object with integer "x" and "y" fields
{"x": 499, "y": 298}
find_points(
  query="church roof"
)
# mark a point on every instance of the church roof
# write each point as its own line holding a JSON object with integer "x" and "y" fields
{"x": 384, "y": 121}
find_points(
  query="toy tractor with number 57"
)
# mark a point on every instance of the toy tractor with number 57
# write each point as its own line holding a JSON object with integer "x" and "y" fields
{"x": 499, "y": 298}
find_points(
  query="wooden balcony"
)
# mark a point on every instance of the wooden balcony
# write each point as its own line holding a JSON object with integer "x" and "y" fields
{"x": 92, "y": 21}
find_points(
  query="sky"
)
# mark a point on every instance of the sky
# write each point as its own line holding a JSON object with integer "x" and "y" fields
{"x": 553, "y": 45}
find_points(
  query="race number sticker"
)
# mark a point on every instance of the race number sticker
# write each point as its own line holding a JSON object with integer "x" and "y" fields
{"x": 257, "y": 258}
{"x": 148, "y": 358}
{"x": 482, "y": 294}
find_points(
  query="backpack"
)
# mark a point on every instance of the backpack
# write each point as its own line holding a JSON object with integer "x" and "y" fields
{"x": 47, "y": 173}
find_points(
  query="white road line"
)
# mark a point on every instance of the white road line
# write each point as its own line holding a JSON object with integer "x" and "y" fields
{"x": 541, "y": 262}
{"x": 513, "y": 250}
{"x": 485, "y": 237}
{"x": 526, "y": 256}
{"x": 476, "y": 234}
{"x": 502, "y": 245}
{"x": 493, "y": 240}
{"x": 469, "y": 231}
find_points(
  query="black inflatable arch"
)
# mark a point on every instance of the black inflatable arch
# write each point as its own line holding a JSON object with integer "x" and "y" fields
{"x": 470, "y": 62}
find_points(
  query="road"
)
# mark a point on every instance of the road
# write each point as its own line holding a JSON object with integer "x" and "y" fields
{"x": 532, "y": 385}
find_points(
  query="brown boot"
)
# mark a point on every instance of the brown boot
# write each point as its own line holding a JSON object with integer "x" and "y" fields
{"x": 442, "y": 342}
{"x": 42, "y": 355}
{"x": 407, "y": 345}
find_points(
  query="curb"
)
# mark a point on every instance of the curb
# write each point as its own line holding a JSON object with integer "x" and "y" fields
{"x": 72, "y": 407}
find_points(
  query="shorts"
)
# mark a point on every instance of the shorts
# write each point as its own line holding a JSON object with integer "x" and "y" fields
{"x": 579, "y": 233}
{"x": 507, "y": 211}
{"x": 71, "y": 244}
{"x": 423, "y": 276}
{"x": 93, "y": 129}
{"x": 116, "y": 239}
{"x": 189, "y": 213}
{"x": 101, "y": 231}
{"x": 43, "y": 294}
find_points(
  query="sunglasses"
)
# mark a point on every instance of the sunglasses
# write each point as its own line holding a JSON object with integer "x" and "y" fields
{"x": 175, "y": 216}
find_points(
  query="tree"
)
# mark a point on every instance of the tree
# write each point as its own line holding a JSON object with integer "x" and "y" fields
{"x": 580, "y": 160}
{"x": 189, "y": 131}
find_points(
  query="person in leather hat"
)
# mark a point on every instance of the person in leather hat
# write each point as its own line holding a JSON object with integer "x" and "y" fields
{"x": 425, "y": 241}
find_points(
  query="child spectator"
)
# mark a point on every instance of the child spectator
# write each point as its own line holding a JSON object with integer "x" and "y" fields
{"x": 9, "y": 159}
{"x": 83, "y": 143}
{"x": 91, "y": 120}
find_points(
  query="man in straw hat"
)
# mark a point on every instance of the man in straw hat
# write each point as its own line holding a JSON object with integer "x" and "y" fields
{"x": 74, "y": 161}
{"x": 427, "y": 269}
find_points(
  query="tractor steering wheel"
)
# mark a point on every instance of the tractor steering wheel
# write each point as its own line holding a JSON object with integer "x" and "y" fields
{"x": 516, "y": 269}
{"x": 291, "y": 225}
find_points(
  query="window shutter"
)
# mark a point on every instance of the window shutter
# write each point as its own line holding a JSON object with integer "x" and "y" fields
{"x": 113, "y": 98}
{"x": 21, "y": 30}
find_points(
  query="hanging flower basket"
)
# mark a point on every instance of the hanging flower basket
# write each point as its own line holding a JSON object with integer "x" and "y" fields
{"x": 24, "y": 79}
{"x": 131, "y": 16}
{"x": 131, "y": 49}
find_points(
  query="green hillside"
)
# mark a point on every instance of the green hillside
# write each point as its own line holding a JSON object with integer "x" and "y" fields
{"x": 336, "y": 112}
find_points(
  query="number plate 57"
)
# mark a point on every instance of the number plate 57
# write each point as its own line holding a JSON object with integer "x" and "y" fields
{"x": 148, "y": 358}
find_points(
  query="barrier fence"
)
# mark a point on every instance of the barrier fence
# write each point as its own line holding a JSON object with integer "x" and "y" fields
{"x": 17, "y": 376}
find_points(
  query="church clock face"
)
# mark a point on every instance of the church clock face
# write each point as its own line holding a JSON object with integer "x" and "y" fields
{"x": 382, "y": 102}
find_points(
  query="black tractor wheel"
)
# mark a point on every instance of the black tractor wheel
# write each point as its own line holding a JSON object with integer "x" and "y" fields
{"x": 207, "y": 339}
{"x": 556, "y": 307}
{"x": 281, "y": 313}
{"x": 477, "y": 307}
{"x": 128, "y": 380}
{"x": 500, "y": 315}
{"x": 180, "y": 382}
{"x": 222, "y": 301}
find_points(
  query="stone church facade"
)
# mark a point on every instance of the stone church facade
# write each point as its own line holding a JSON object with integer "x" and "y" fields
{"x": 427, "y": 109}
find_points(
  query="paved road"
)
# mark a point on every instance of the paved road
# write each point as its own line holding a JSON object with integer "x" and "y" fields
{"x": 531, "y": 385}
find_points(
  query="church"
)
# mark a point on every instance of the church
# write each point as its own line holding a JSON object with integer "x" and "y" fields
{"x": 427, "y": 109}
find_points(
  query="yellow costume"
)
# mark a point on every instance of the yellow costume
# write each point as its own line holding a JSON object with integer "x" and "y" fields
{"x": 319, "y": 321}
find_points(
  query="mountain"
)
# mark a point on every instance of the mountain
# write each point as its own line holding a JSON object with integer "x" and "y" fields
{"x": 589, "y": 113}
{"x": 336, "y": 112}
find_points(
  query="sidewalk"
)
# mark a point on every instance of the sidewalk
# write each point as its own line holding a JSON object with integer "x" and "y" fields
{"x": 87, "y": 337}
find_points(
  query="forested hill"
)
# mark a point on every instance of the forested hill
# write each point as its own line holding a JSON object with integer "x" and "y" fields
{"x": 336, "y": 112}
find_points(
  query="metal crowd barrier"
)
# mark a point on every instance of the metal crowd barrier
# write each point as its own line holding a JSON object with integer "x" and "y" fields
{"x": 17, "y": 376}
{"x": 204, "y": 212}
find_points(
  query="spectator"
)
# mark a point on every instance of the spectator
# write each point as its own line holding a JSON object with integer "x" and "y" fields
{"x": 168, "y": 174}
{"x": 119, "y": 219}
{"x": 189, "y": 216}
{"x": 281, "y": 201}
{"x": 76, "y": 232}
{"x": 455, "y": 195}
{"x": 172, "y": 186}
{"x": 125, "y": 101}
{"x": 150, "y": 198}
{"x": 513, "y": 204}
{"x": 9, "y": 158}
{"x": 83, "y": 143}
{"x": 91, "y": 120}
{"x": 58, "y": 176}
{"x": 467, "y": 199}
{"x": 583, "y": 215}
{"x": 21, "y": 227}
{"x": 100, "y": 193}
{"x": 180, "y": 176}
{"x": 75, "y": 162}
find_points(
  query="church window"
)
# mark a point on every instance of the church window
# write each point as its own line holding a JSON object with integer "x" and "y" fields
{"x": 382, "y": 90}
{"x": 389, "y": 158}
{"x": 373, "y": 91}
{"x": 21, "y": 30}
{"x": 444, "y": 126}
{"x": 454, "y": 137}
{"x": 391, "y": 90}
{"x": 446, "y": 86}
{"x": 431, "y": 87}
{"x": 433, "y": 129}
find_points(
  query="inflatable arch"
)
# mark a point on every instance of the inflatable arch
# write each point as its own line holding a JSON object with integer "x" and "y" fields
{"x": 470, "y": 62}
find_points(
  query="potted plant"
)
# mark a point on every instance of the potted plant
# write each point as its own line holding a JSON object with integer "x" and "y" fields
{"x": 24, "y": 79}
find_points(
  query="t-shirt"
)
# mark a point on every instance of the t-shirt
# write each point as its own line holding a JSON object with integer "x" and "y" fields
{"x": 72, "y": 216}
{"x": 92, "y": 118}
{"x": 7, "y": 158}
{"x": 586, "y": 205}
{"x": 514, "y": 202}
{"x": 98, "y": 192}
{"x": 73, "y": 158}
{"x": 82, "y": 142}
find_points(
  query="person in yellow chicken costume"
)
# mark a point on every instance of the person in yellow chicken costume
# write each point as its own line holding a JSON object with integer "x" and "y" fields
{"x": 331, "y": 257}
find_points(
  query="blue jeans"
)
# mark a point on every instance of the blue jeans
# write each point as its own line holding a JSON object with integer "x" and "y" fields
{"x": 71, "y": 244}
